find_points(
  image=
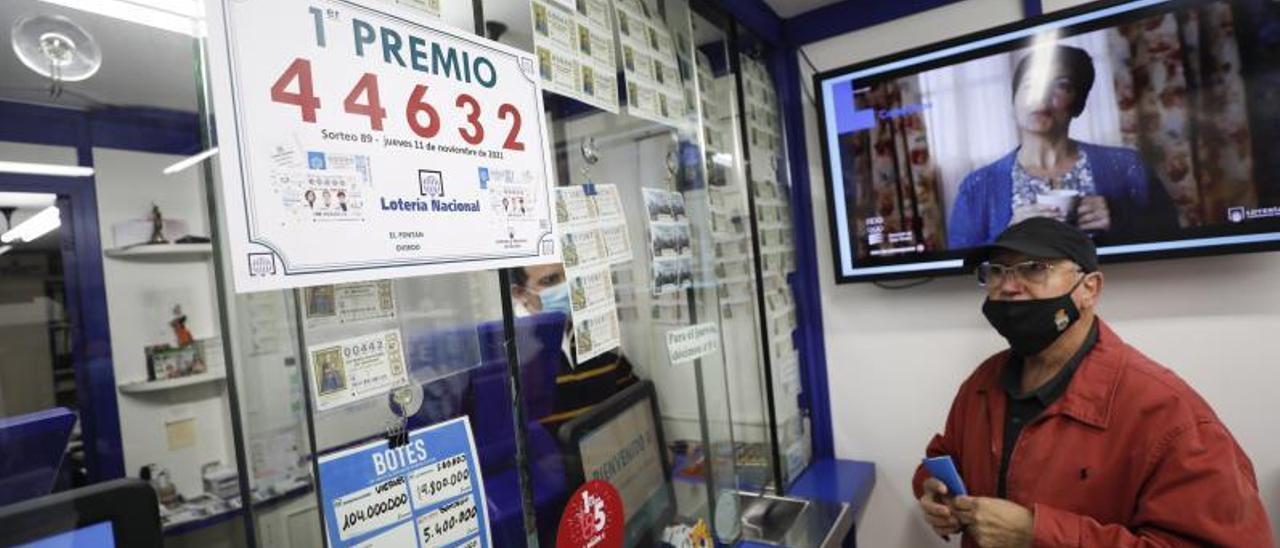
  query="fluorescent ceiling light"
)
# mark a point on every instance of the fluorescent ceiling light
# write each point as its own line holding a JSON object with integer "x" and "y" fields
{"x": 32, "y": 229}
{"x": 188, "y": 162}
{"x": 5, "y": 249}
{"x": 27, "y": 199}
{"x": 57, "y": 170}
{"x": 180, "y": 16}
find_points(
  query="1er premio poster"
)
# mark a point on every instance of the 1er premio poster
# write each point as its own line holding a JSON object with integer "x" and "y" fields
{"x": 361, "y": 140}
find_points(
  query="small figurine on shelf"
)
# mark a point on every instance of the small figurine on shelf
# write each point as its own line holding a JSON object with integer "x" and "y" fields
{"x": 169, "y": 361}
{"x": 179, "y": 325}
{"x": 157, "y": 226}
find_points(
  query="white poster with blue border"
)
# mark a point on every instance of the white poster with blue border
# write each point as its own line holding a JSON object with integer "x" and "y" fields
{"x": 361, "y": 141}
{"x": 426, "y": 493}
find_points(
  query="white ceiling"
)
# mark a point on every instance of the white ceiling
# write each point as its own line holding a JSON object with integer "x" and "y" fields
{"x": 791, "y": 8}
{"x": 141, "y": 65}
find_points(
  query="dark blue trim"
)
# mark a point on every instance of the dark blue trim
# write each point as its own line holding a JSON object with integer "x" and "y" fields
{"x": 785, "y": 69}
{"x": 1032, "y": 8}
{"x": 127, "y": 128}
{"x": 836, "y": 481}
{"x": 39, "y": 125}
{"x": 147, "y": 130}
{"x": 757, "y": 17}
{"x": 717, "y": 55}
{"x": 839, "y": 481}
{"x": 130, "y": 128}
{"x": 87, "y": 312}
{"x": 848, "y": 16}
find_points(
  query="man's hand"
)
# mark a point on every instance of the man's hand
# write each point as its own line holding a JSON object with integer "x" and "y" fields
{"x": 1028, "y": 211}
{"x": 995, "y": 523}
{"x": 937, "y": 510}
{"x": 1093, "y": 214}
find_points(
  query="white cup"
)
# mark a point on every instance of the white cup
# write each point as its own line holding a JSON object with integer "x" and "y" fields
{"x": 1066, "y": 202}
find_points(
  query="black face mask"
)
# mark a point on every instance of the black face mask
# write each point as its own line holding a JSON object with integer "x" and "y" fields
{"x": 1031, "y": 326}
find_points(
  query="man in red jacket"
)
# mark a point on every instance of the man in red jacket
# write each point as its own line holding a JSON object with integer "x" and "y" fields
{"x": 1072, "y": 437}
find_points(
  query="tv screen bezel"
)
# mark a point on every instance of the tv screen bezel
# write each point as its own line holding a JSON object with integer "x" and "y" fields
{"x": 946, "y": 265}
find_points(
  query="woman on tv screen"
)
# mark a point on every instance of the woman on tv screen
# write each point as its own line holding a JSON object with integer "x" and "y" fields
{"x": 1101, "y": 189}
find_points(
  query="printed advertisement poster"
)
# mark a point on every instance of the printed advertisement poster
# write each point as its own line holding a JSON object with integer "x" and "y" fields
{"x": 425, "y": 493}
{"x": 670, "y": 240}
{"x": 590, "y": 226}
{"x": 574, "y": 45}
{"x": 363, "y": 141}
{"x": 601, "y": 212}
{"x": 613, "y": 224}
{"x": 325, "y": 305}
{"x": 595, "y": 333}
{"x": 655, "y": 88}
{"x": 353, "y": 369}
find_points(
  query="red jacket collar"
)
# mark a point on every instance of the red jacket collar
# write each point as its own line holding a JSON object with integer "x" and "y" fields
{"x": 1092, "y": 391}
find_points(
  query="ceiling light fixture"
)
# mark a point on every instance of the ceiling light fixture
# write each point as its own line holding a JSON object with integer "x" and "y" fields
{"x": 56, "y": 170}
{"x": 5, "y": 249}
{"x": 33, "y": 200}
{"x": 189, "y": 161}
{"x": 33, "y": 228}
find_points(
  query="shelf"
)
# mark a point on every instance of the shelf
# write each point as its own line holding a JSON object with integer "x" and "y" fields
{"x": 138, "y": 387}
{"x": 162, "y": 252}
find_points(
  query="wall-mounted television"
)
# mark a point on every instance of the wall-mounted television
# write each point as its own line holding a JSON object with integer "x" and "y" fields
{"x": 1153, "y": 125}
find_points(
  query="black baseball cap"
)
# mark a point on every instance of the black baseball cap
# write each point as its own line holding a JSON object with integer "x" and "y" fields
{"x": 1044, "y": 238}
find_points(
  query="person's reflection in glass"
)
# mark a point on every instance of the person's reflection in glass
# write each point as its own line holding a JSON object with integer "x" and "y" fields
{"x": 579, "y": 386}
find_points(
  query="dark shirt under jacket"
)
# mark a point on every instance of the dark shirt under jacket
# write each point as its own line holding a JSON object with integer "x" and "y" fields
{"x": 1024, "y": 408}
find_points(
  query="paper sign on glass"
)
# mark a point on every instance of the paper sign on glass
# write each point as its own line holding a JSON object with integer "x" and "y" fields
{"x": 348, "y": 303}
{"x": 353, "y": 369}
{"x": 361, "y": 141}
{"x": 425, "y": 493}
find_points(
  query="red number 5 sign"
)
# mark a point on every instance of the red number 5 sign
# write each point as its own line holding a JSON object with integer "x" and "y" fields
{"x": 593, "y": 518}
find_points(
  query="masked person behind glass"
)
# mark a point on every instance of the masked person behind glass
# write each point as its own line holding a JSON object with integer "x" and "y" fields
{"x": 579, "y": 386}
{"x": 1072, "y": 437}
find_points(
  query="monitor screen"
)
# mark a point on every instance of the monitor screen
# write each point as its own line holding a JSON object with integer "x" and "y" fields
{"x": 98, "y": 535}
{"x": 1150, "y": 124}
{"x": 626, "y": 452}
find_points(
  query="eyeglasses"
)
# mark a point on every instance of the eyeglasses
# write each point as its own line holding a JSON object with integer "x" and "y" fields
{"x": 1028, "y": 272}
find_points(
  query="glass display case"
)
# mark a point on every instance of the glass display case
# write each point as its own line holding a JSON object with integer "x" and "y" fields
{"x": 634, "y": 212}
{"x": 754, "y": 249}
{"x": 774, "y": 261}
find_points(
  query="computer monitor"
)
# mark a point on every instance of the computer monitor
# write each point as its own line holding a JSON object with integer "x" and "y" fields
{"x": 31, "y": 451}
{"x": 121, "y": 512}
{"x": 98, "y": 535}
{"x": 620, "y": 441}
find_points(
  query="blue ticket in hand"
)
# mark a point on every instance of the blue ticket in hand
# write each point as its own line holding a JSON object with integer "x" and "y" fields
{"x": 944, "y": 469}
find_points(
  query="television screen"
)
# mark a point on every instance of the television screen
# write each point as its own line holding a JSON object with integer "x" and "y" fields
{"x": 1153, "y": 125}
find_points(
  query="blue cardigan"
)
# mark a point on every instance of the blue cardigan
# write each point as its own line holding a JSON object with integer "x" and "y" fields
{"x": 1138, "y": 203}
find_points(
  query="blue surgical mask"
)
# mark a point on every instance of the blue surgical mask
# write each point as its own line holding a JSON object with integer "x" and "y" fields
{"x": 555, "y": 298}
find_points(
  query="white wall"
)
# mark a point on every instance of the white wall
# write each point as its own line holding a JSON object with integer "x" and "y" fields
{"x": 140, "y": 299}
{"x": 896, "y": 358}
